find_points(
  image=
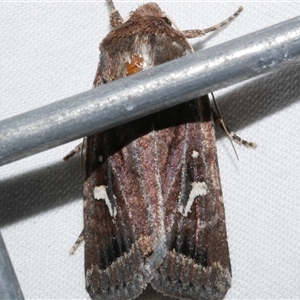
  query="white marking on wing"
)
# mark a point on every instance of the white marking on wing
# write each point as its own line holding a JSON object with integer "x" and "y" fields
{"x": 195, "y": 154}
{"x": 198, "y": 189}
{"x": 101, "y": 194}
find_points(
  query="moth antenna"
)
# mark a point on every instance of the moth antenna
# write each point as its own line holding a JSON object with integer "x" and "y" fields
{"x": 115, "y": 17}
{"x": 193, "y": 33}
{"x": 223, "y": 126}
{"x": 229, "y": 133}
{"x": 84, "y": 143}
{"x": 78, "y": 149}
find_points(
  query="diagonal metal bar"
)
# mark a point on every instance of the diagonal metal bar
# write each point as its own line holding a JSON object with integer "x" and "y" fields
{"x": 9, "y": 285}
{"x": 149, "y": 91}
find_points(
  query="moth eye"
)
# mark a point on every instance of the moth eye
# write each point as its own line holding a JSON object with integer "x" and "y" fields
{"x": 167, "y": 21}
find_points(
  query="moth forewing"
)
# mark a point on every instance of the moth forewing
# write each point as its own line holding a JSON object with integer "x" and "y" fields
{"x": 153, "y": 208}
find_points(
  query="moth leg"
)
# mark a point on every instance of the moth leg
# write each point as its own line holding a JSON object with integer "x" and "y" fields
{"x": 77, "y": 243}
{"x": 189, "y": 34}
{"x": 78, "y": 149}
{"x": 231, "y": 135}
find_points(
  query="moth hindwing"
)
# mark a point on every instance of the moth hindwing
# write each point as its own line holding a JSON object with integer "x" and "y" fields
{"x": 153, "y": 208}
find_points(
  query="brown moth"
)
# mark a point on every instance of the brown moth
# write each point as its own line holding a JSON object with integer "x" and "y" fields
{"x": 153, "y": 207}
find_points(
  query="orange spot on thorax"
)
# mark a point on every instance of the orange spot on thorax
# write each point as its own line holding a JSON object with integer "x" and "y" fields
{"x": 135, "y": 65}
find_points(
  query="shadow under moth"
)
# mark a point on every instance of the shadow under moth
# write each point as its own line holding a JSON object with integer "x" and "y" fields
{"x": 153, "y": 207}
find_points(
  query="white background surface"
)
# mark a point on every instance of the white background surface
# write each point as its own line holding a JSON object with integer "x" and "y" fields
{"x": 49, "y": 50}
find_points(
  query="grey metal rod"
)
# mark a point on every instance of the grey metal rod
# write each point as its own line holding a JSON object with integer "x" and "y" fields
{"x": 9, "y": 285}
{"x": 149, "y": 91}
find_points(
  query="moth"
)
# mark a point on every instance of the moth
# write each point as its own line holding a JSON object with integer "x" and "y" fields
{"x": 153, "y": 206}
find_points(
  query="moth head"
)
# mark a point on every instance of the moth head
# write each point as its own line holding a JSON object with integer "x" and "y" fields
{"x": 151, "y": 10}
{"x": 148, "y": 9}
